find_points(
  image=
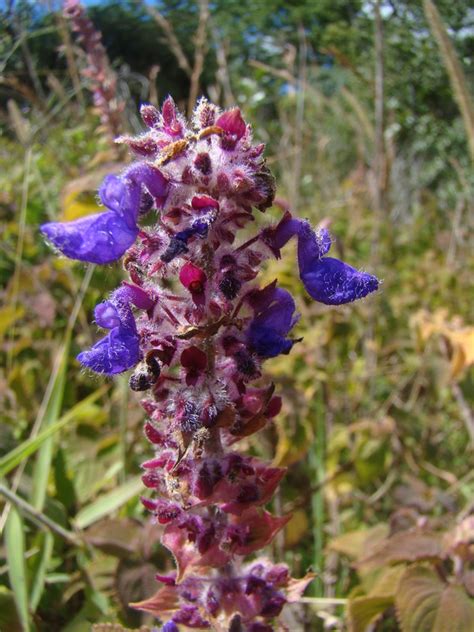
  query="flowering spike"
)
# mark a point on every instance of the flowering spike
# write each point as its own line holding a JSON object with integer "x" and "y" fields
{"x": 197, "y": 346}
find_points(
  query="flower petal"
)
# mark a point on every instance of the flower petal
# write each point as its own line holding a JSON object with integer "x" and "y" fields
{"x": 266, "y": 342}
{"x": 99, "y": 238}
{"x": 119, "y": 350}
{"x": 312, "y": 246}
{"x": 111, "y": 192}
{"x": 334, "y": 282}
{"x": 151, "y": 177}
{"x": 116, "y": 353}
{"x": 107, "y": 315}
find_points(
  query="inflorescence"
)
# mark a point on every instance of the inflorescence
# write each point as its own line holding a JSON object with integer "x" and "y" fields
{"x": 195, "y": 328}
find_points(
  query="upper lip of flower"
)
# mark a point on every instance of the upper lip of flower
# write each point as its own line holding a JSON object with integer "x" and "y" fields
{"x": 274, "y": 317}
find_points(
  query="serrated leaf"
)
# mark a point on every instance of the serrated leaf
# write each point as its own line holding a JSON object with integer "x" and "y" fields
{"x": 385, "y": 583}
{"x": 362, "y": 611}
{"x": 405, "y": 546}
{"x": 356, "y": 544}
{"x": 425, "y": 603}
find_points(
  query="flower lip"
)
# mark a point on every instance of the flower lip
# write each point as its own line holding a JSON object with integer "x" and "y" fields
{"x": 119, "y": 350}
{"x": 104, "y": 237}
{"x": 274, "y": 318}
{"x": 327, "y": 280}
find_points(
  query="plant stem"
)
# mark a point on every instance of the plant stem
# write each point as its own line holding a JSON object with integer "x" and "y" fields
{"x": 38, "y": 516}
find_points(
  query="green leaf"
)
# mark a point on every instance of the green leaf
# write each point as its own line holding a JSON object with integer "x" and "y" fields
{"x": 65, "y": 490}
{"x": 363, "y": 610}
{"x": 107, "y": 503}
{"x": 405, "y": 546}
{"x": 425, "y": 603}
{"x": 37, "y": 584}
{"x": 9, "y": 620}
{"x": 355, "y": 544}
{"x": 15, "y": 550}
{"x": 43, "y": 460}
{"x": 28, "y": 447}
{"x": 8, "y": 316}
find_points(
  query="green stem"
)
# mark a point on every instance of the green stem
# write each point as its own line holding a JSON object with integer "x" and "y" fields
{"x": 38, "y": 516}
{"x": 317, "y": 458}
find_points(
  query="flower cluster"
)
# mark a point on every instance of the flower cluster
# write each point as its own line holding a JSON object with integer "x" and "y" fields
{"x": 196, "y": 328}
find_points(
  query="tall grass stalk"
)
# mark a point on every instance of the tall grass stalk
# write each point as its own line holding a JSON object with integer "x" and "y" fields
{"x": 454, "y": 69}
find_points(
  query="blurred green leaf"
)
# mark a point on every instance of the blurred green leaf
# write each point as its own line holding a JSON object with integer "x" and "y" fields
{"x": 107, "y": 503}
{"x": 28, "y": 447}
{"x": 425, "y": 603}
{"x": 15, "y": 550}
{"x": 64, "y": 486}
{"x": 8, "y": 316}
{"x": 40, "y": 569}
{"x": 9, "y": 620}
{"x": 362, "y": 611}
{"x": 42, "y": 465}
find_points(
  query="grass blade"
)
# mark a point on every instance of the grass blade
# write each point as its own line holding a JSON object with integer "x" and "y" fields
{"x": 15, "y": 551}
{"x": 107, "y": 503}
{"x": 28, "y": 447}
{"x": 37, "y": 584}
{"x": 43, "y": 461}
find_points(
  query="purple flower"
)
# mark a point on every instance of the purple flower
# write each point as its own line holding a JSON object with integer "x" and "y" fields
{"x": 274, "y": 317}
{"x": 327, "y": 280}
{"x": 119, "y": 350}
{"x": 104, "y": 237}
{"x": 170, "y": 627}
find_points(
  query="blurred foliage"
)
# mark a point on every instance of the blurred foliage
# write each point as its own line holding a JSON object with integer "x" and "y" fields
{"x": 377, "y": 429}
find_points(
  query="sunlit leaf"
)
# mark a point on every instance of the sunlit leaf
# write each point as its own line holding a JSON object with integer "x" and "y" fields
{"x": 296, "y": 528}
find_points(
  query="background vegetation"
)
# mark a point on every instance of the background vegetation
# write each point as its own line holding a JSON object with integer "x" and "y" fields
{"x": 369, "y": 125}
